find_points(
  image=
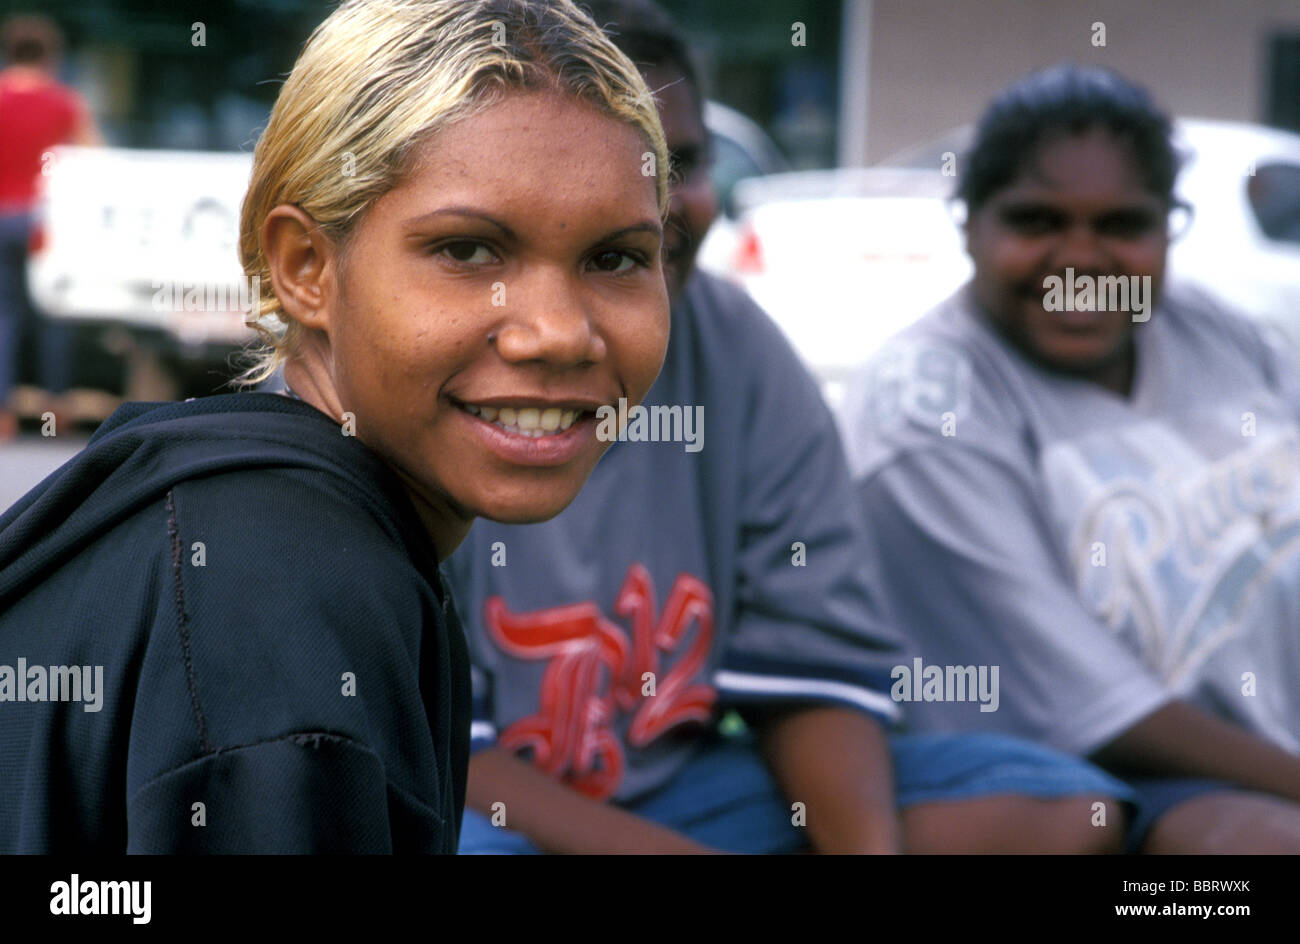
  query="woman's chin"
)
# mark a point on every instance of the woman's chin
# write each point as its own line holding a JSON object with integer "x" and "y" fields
{"x": 531, "y": 507}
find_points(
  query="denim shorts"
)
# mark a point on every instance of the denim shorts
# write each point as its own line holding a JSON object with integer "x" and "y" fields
{"x": 1156, "y": 796}
{"x": 726, "y": 797}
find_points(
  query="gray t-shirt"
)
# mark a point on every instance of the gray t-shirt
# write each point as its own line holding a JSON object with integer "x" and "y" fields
{"x": 1107, "y": 553}
{"x": 732, "y": 573}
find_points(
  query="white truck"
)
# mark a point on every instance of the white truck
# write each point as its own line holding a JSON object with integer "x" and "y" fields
{"x": 143, "y": 242}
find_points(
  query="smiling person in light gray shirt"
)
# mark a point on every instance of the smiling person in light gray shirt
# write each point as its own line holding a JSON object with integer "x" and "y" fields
{"x": 1106, "y": 507}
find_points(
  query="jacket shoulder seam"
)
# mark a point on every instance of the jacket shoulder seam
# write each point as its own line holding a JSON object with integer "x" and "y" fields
{"x": 312, "y": 739}
{"x": 182, "y": 621}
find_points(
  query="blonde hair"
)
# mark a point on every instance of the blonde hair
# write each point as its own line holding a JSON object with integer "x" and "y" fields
{"x": 376, "y": 78}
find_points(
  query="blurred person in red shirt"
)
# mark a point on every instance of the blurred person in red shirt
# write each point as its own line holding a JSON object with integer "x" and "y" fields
{"x": 37, "y": 112}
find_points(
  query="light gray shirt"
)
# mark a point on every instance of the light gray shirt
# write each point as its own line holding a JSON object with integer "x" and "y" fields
{"x": 1108, "y": 553}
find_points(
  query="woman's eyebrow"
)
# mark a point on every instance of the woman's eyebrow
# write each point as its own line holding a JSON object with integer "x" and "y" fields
{"x": 466, "y": 212}
{"x": 461, "y": 211}
{"x": 1021, "y": 204}
{"x": 645, "y": 226}
{"x": 1026, "y": 203}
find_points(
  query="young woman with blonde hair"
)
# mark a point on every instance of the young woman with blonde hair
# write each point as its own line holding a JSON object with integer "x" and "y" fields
{"x": 222, "y": 625}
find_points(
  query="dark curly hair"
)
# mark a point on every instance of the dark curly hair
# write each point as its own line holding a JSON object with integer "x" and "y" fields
{"x": 1066, "y": 100}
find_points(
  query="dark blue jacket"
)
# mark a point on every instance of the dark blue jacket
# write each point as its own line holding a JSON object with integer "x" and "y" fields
{"x": 280, "y": 667}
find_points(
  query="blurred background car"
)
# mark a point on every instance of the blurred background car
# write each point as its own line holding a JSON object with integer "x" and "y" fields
{"x": 843, "y": 259}
{"x": 740, "y": 151}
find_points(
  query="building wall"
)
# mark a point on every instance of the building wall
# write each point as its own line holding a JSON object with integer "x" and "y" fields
{"x": 934, "y": 64}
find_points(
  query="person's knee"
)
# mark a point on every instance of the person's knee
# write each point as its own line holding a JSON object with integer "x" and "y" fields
{"x": 1013, "y": 823}
{"x": 1229, "y": 822}
{"x": 1085, "y": 825}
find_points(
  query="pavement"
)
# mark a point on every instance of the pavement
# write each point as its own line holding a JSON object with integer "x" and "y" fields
{"x": 25, "y": 461}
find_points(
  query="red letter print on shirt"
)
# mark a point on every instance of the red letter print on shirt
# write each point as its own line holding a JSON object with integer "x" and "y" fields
{"x": 593, "y": 674}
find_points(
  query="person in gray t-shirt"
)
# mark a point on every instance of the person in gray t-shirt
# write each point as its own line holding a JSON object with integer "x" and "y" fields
{"x": 1094, "y": 484}
{"x": 713, "y": 571}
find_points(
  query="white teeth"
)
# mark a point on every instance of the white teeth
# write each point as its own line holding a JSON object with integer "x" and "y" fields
{"x": 526, "y": 421}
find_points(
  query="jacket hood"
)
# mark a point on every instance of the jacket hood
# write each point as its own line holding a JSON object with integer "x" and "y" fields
{"x": 143, "y": 449}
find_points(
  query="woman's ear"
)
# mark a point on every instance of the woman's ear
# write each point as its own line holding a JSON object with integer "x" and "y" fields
{"x": 303, "y": 263}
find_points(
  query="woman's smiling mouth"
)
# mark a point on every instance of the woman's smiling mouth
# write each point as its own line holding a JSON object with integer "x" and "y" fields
{"x": 532, "y": 432}
{"x": 526, "y": 420}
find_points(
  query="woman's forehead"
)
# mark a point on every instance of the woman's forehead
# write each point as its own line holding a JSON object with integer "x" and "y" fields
{"x": 546, "y": 126}
{"x": 1080, "y": 162}
{"x": 529, "y": 153}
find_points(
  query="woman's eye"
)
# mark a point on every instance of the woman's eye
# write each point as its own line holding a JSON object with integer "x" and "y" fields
{"x": 613, "y": 260}
{"x": 468, "y": 252}
{"x": 1031, "y": 220}
{"x": 1127, "y": 225}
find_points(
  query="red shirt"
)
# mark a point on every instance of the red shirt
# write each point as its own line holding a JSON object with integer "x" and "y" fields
{"x": 33, "y": 119}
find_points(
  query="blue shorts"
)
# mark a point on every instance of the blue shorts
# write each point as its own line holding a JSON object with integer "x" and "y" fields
{"x": 725, "y": 796}
{"x": 1156, "y": 796}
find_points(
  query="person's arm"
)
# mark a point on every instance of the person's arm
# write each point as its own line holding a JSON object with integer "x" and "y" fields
{"x": 835, "y": 761}
{"x": 807, "y": 660}
{"x": 1181, "y": 740}
{"x": 1064, "y": 678}
{"x": 85, "y": 132}
{"x": 280, "y": 673}
{"x": 553, "y": 816}
{"x": 298, "y": 794}
{"x": 77, "y": 124}
{"x": 969, "y": 567}
{"x": 559, "y": 819}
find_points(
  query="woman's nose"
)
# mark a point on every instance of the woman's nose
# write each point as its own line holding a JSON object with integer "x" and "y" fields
{"x": 1079, "y": 248}
{"x": 548, "y": 320}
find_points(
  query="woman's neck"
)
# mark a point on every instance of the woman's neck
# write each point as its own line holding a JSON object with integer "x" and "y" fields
{"x": 24, "y": 76}
{"x": 306, "y": 379}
